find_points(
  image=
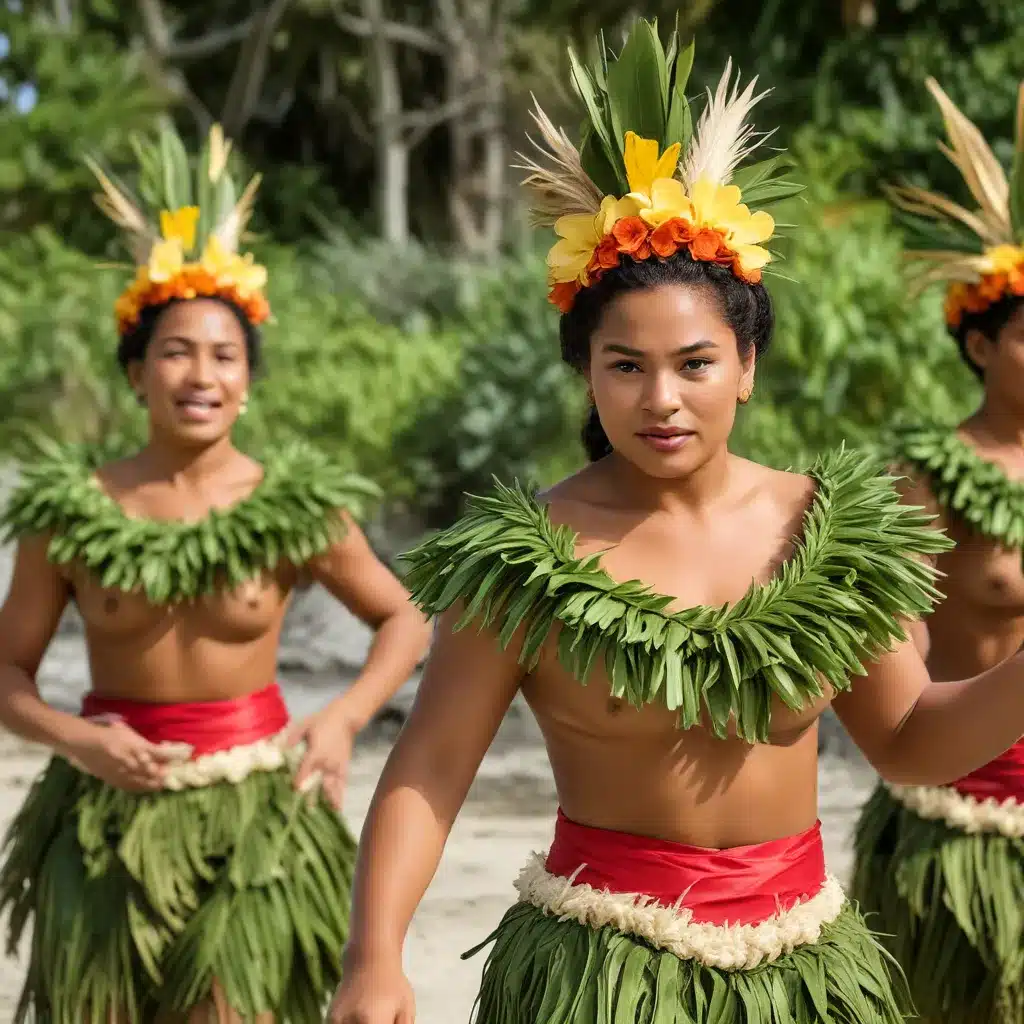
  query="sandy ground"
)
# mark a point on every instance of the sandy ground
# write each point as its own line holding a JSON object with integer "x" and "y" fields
{"x": 510, "y": 813}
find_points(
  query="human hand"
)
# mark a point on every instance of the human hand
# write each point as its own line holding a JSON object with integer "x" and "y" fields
{"x": 116, "y": 754}
{"x": 373, "y": 993}
{"x": 329, "y": 735}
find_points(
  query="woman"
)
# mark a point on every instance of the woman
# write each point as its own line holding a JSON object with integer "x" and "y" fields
{"x": 943, "y": 867}
{"x": 181, "y": 858}
{"x": 716, "y": 608}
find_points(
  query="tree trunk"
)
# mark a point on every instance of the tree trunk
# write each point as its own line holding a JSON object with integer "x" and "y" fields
{"x": 390, "y": 143}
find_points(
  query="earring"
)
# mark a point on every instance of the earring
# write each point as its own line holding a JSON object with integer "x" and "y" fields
{"x": 244, "y": 407}
{"x": 745, "y": 395}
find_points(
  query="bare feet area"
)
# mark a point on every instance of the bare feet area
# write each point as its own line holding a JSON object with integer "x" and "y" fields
{"x": 509, "y": 814}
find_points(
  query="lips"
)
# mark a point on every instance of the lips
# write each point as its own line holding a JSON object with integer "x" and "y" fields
{"x": 197, "y": 409}
{"x": 665, "y": 439}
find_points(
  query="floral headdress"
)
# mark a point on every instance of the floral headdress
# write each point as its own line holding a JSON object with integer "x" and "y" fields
{"x": 978, "y": 254}
{"x": 189, "y": 248}
{"x": 644, "y": 183}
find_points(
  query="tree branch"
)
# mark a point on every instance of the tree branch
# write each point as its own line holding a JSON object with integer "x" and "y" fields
{"x": 393, "y": 32}
{"x": 247, "y": 80}
{"x": 212, "y": 42}
{"x": 420, "y": 123}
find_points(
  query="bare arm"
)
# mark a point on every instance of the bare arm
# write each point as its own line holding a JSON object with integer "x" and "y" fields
{"x": 28, "y": 620}
{"x": 468, "y": 686}
{"x": 920, "y": 733}
{"x": 353, "y": 574}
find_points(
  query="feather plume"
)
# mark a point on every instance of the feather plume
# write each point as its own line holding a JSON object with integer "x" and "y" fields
{"x": 124, "y": 213}
{"x": 561, "y": 186}
{"x": 920, "y": 201}
{"x": 982, "y": 172}
{"x": 723, "y": 137}
{"x": 229, "y": 231}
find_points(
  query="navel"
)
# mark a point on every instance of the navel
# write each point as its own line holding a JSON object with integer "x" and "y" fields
{"x": 615, "y": 705}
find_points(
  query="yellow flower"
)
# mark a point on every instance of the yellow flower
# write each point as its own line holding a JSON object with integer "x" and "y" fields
{"x": 1004, "y": 258}
{"x": 248, "y": 276}
{"x": 752, "y": 257}
{"x": 180, "y": 225}
{"x": 165, "y": 260}
{"x": 220, "y": 149}
{"x": 718, "y": 206}
{"x": 668, "y": 200}
{"x": 216, "y": 260}
{"x": 644, "y": 166}
{"x": 580, "y": 234}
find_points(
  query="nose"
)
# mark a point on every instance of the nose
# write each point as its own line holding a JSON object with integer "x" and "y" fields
{"x": 201, "y": 373}
{"x": 662, "y": 397}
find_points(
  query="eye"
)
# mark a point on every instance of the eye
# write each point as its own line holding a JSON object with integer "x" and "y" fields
{"x": 697, "y": 363}
{"x": 626, "y": 366}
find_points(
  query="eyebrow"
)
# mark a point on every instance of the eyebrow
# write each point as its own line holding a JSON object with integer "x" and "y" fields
{"x": 686, "y": 350}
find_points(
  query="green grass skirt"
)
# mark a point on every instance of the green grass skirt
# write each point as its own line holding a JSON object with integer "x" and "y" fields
{"x": 139, "y": 902}
{"x": 546, "y": 971}
{"x": 951, "y": 908}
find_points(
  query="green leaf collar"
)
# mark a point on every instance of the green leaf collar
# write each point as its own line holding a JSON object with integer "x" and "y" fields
{"x": 971, "y": 487}
{"x": 837, "y": 602}
{"x": 293, "y": 515}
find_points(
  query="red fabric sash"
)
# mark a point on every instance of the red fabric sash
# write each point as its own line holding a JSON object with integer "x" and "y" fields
{"x": 742, "y": 885}
{"x": 207, "y": 725}
{"x": 1002, "y": 778}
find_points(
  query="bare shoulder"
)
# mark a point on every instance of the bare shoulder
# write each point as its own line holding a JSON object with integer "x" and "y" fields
{"x": 914, "y": 489}
{"x": 777, "y": 496}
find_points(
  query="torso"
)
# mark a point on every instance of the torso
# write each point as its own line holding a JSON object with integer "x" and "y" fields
{"x": 619, "y": 767}
{"x": 981, "y": 621}
{"x": 219, "y": 646}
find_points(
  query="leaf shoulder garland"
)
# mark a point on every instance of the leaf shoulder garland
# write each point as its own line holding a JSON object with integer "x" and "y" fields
{"x": 835, "y": 603}
{"x": 965, "y": 483}
{"x": 292, "y": 515}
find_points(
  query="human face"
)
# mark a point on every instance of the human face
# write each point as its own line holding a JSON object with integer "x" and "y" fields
{"x": 1002, "y": 362}
{"x": 666, "y": 374}
{"x": 195, "y": 373}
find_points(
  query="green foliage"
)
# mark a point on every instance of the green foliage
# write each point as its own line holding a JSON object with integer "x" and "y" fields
{"x": 90, "y": 95}
{"x": 513, "y": 412}
{"x": 852, "y": 351}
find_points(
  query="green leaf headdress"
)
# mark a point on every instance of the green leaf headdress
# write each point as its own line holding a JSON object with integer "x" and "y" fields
{"x": 644, "y": 182}
{"x": 186, "y": 246}
{"x": 979, "y": 253}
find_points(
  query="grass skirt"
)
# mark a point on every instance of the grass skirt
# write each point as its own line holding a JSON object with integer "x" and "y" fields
{"x": 951, "y": 907}
{"x": 139, "y": 902}
{"x": 547, "y": 970}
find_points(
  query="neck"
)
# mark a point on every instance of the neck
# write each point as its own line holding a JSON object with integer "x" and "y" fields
{"x": 172, "y": 461}
{"x": 692, "y": 492}
{"x": 999, "y": 422}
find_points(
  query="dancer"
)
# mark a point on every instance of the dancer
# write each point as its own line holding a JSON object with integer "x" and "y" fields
{"x": 181, "y": 858}
{"x": 943, "y": 867}
{"x": 713, "y": 606}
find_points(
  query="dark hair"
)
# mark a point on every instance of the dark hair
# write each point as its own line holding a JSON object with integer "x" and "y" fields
{"x": 747, "y": 309}
{"x": 989, "y": 323}
{"x": 133, "y": 344}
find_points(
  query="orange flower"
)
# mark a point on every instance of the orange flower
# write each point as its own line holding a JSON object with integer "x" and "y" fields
{"x": 1015, "y": 280}
{"x": 563, "y": 295}
{"x": 668, "y": 237}
{"x": 606, "y": 255}
{"x": 747, "y": 276}
{"x": 992, "y": 287}
{"x": 630, "y": 233}
{"x": 644, "y": 252}
{"x": 705, "y": 244}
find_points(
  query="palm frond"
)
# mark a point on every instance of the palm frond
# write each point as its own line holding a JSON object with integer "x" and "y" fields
{"x": 981, "y": 171}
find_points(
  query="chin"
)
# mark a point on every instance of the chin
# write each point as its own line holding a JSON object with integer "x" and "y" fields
{"x": 197, "y": 434}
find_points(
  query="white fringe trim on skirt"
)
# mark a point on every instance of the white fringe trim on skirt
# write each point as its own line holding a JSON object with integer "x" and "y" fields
{"x": 960, "y": 811}
{"x": 726, "y": 947}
